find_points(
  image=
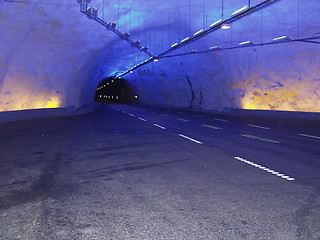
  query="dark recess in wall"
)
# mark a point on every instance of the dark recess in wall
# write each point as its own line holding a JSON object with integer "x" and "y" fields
{"x": 112, "y": 90}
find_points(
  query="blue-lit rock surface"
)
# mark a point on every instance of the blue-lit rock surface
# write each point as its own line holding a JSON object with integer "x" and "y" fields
{"x": 54, "y": 56}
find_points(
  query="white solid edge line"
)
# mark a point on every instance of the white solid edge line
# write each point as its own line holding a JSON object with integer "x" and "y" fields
{"x": 159, "y": 126}
{"x": 265, "y": 169}
{"x": 142, "y": 119}
{"x": 191, "y": 139}
{"x": 221, "y": 120}
{"x": 256, "y": 126}
{"x": 310, "y": 136}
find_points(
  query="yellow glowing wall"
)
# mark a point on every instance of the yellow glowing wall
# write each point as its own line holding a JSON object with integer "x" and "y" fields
{"x": 290, "y": 94}
{"x": 21, "y": 94}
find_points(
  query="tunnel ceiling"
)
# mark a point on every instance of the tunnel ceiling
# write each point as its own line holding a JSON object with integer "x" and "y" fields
{"x": 54, "y": 55}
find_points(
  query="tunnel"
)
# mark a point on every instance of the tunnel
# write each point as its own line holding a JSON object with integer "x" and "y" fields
{"x": 115, "y": 90}
{"x": 149, "y": 120}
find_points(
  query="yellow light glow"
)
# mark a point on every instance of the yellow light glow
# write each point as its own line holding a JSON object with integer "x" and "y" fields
{"x": 24, "y": 94}
{"x": 289, "y": 95}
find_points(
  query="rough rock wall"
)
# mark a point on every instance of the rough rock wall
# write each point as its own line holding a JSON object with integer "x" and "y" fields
{"x": 47, "y": 57}
{"x": 52, "y": 55}
{"x": 285, "y": 76}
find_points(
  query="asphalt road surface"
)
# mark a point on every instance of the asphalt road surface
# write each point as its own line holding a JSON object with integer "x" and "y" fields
{"x": 134, "y": 172}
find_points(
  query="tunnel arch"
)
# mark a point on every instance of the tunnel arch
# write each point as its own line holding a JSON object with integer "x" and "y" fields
{"x": 114, "y": 90}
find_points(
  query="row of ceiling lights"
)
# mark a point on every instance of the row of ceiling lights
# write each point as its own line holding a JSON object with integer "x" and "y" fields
{"x": 220, "y": 24}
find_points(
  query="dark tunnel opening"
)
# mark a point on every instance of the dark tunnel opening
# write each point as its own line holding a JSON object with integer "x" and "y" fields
{"x": 115, "y": 90}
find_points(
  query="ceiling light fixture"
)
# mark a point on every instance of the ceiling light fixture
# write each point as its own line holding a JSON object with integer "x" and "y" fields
{"x": 185, "y": 39}
{"x": 199, "y": 32}
{"x": 241, "y": 10}
{"x": 216, "y": 23}
{"x": 174, "y": 45}
{"x": 225, "y": 26}
{"x": 246, "y": 43}
{"x": 215, "y": 48}
{"x": 279, "y": 39}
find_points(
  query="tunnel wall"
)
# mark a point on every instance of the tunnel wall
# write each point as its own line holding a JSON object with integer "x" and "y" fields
{"x": 54, "y": 56}
{"x": 274, "y": 77}
{"x": 47, "y": 56}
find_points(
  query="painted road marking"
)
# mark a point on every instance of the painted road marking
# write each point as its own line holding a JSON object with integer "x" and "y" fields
{"x": 165, "y": 115}
{"x": 191, "y": 139}
{"x": 256, "y": 126}
{"x": 197, "y": 115}
{"x": 259, "y": 138}
{"x": 152, "y": 112}
{"x": 221, "y": 120}
{"x": 131, "y": 115}
{"x": 159, "y": 126}
{"x": 310, "y": 136}
{"x": 182, "y": 119}
{"x": 124, "y": 111}
{"x": 142, "y": 119}
{"x": 210, "y": 126}
{"x": 265, "y": 169}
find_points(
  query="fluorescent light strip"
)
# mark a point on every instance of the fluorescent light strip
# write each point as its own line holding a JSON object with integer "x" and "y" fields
{"x": 174, "y": 45}
{"x": 246, "y": 43}
{"x": 197, "y": 33}
{"x": 185, "y": 39}
{"x": 241, "y": 10}
{"x": 216, "y": 23}
{"x": 283, "y": 38}
{"x": 215, "y": 48}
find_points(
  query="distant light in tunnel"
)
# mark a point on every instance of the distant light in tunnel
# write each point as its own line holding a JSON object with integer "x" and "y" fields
{"x": 185, "y": 39}
{"x": 283, "y": 38}
{"x": 197, "y": 33}
{"x": 136, "y": 97}
{"x": 131, "y": 71}
{"x": 246, "y": 43}
{"x": 225, "y": 26}
{"x": 215, "y": 48}
{"x": 156, "y": 60}
{"x": 241, "y": 10}
{"x": 216, "y": 23}
{"x": 174, "y": 45}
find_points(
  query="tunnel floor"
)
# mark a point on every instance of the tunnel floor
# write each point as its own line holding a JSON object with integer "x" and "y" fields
{"x": 130, "y": 172}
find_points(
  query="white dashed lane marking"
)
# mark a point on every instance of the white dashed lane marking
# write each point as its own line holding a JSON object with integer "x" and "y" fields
{"x": 131, "y": 115}
{"x": 310, "y": 136}
{"x": 210, "y": 126}
{"x": 142, "y": 119}
{"x": 191, "y": 139}
{"x": 221, "y": 120}
{"x": 183, "y": 120}
{"x": 159, "y": 126}
{"x": 256, "y": 126}
{"x": 265, "y": 169}
{"x": 259, "y": 138}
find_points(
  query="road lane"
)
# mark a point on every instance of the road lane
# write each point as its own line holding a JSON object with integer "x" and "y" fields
{"x": 110, "y": 175}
